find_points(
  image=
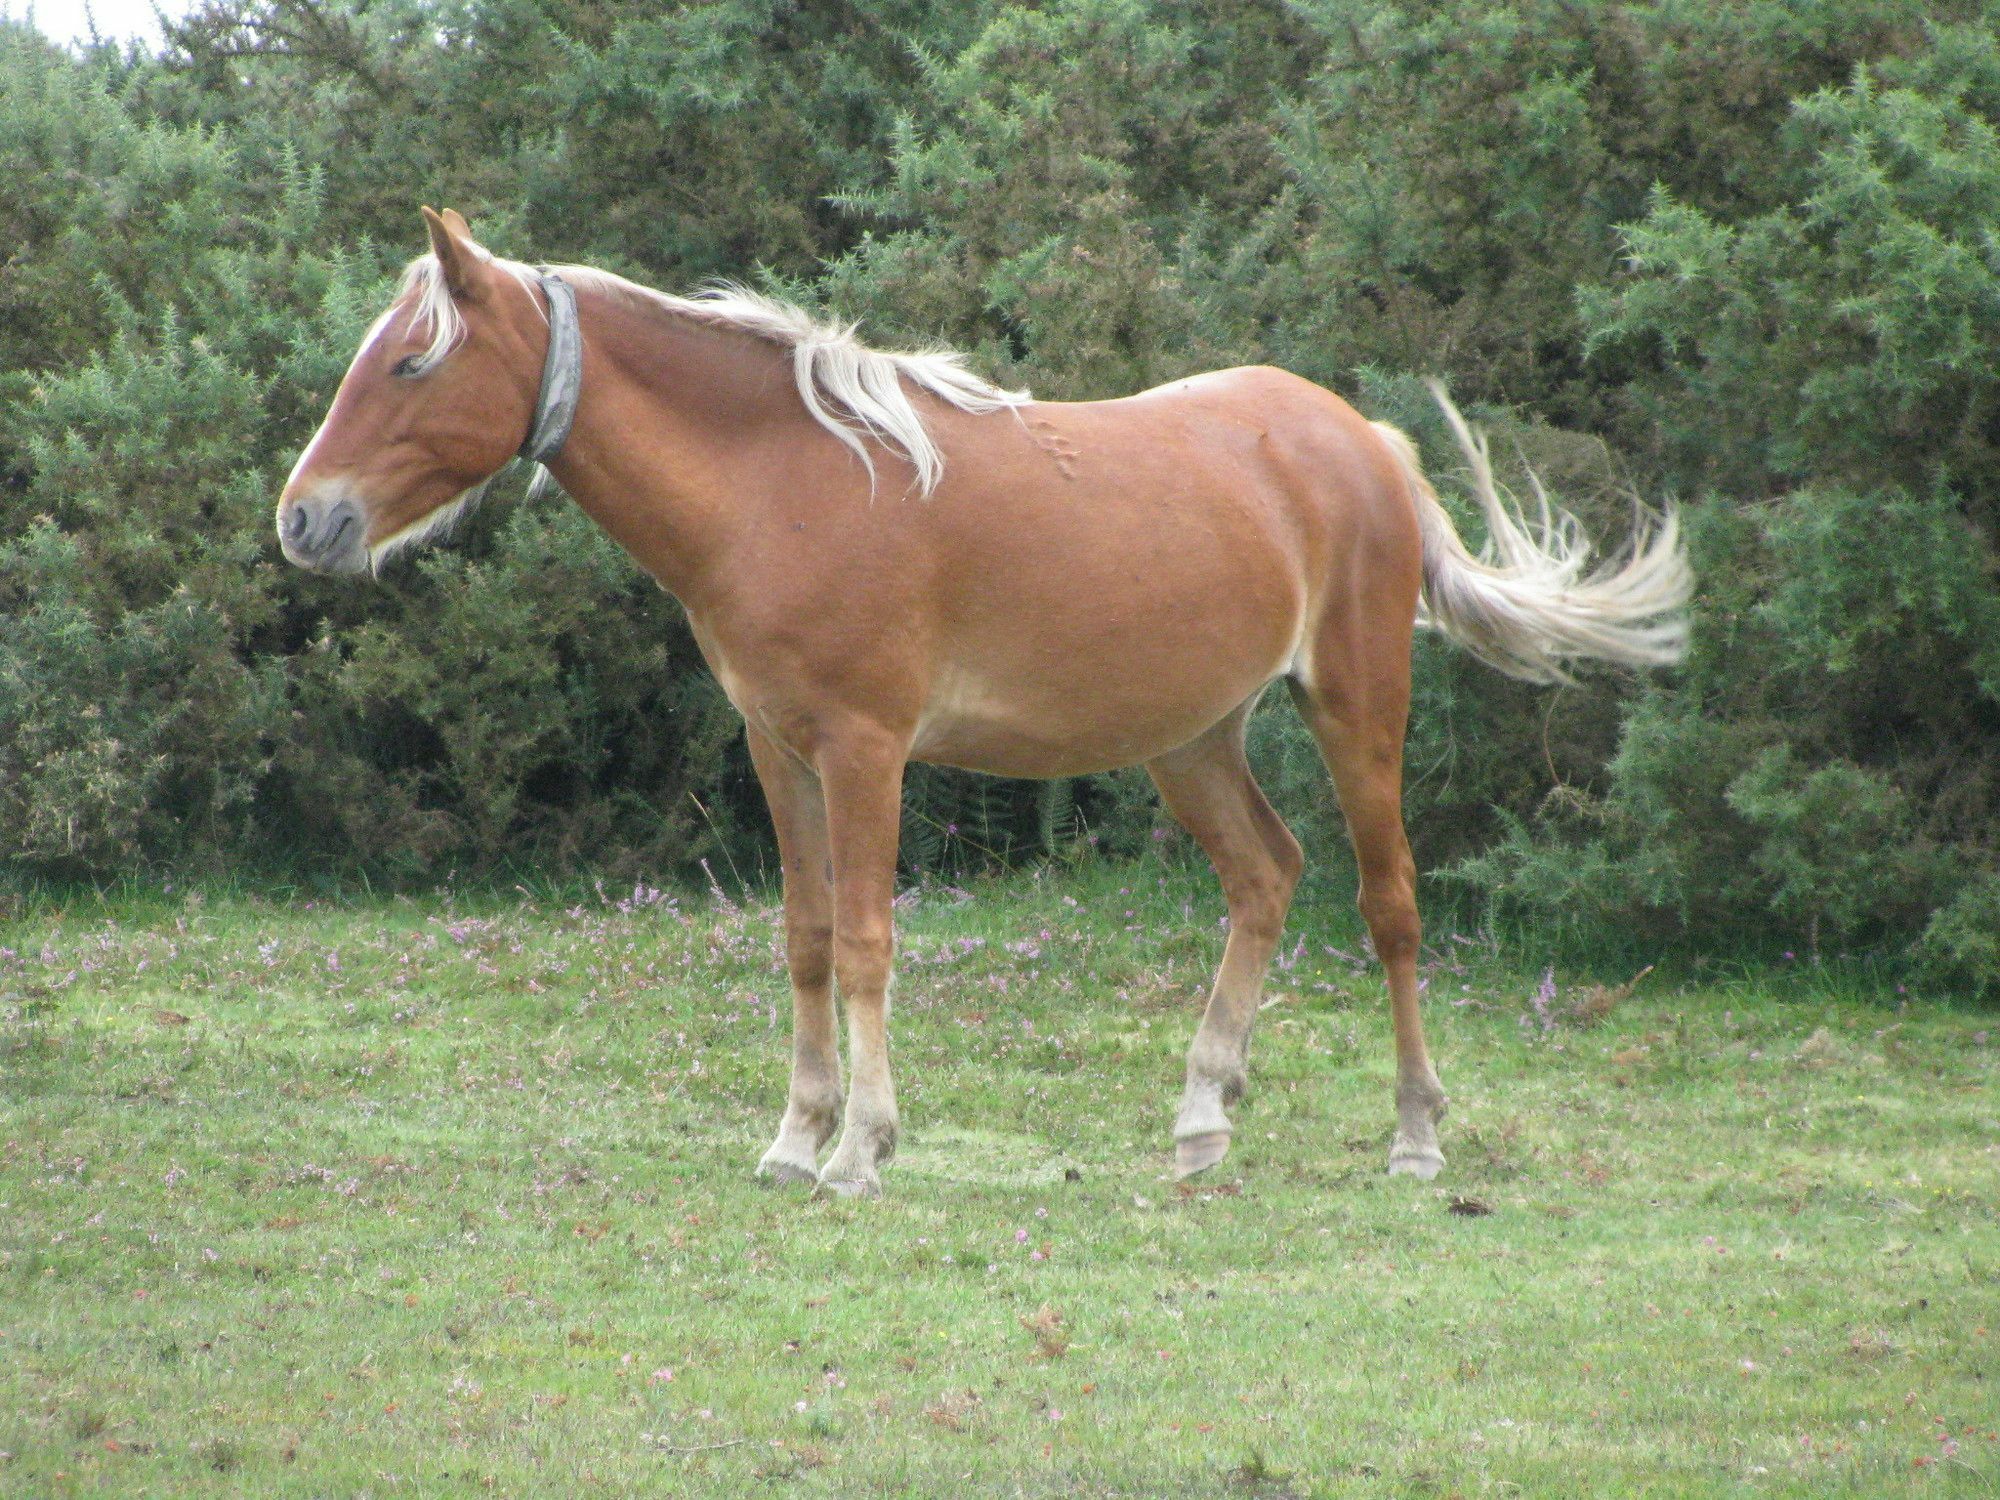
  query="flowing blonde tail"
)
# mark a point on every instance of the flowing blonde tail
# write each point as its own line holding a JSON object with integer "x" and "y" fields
{"x": 1524, "y": 604}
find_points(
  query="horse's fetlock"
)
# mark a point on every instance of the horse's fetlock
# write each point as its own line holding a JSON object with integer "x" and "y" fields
{"x": 1233, "y": 1083}
{"x": 1424, "y": 1094}
{"x": 820, "y": 1113}
{"x": 1216, "y": 1063}
{"x": 887, "y": 1134}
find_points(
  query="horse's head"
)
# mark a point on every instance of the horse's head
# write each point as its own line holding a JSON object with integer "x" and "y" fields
{"x": 435, "y": 403}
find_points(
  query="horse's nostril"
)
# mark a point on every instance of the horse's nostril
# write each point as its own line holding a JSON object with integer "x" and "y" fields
{"x": 295, "y": 523}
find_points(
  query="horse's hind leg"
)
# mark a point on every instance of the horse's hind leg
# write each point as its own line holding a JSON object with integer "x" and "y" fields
{"x": 1207, "y": 786}
{"x": 1357, "y": 704}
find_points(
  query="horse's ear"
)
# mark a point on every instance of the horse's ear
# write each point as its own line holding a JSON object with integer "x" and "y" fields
{"x": 451, "y": 243}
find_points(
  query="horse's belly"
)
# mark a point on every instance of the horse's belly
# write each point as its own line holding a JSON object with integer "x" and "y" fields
{"x": 1122, "y": 665}
{"x": 1078, "y": 722}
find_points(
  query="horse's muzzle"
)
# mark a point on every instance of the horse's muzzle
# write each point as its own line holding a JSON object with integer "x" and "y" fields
{"x": 325, "y": 535}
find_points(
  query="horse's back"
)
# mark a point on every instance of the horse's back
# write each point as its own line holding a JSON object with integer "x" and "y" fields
{"x": 1254, "y": 461}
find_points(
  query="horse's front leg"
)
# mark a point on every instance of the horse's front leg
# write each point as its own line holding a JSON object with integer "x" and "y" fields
{"x": 863, "y": 779}
{"x": 812, "y": 1109}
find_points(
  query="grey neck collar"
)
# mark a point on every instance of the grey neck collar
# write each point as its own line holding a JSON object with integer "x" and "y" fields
{"x": 562, "y": 373}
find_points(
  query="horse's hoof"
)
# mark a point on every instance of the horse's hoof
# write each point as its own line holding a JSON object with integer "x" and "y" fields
{"x": 851, "y": 1187}
{"x": 1197, "y": 1153}
{"x": 781, "y": 1171}
{"x": 1406, "y": 1159}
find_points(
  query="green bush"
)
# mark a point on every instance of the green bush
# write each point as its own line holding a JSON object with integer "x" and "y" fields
{"x": 137, "y": 737}
{"x": 1960, "y": 947}
{"x": 1820, "y": 365}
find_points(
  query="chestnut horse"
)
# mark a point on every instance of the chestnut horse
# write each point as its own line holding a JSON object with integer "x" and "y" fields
{"x": 884, "y": 559}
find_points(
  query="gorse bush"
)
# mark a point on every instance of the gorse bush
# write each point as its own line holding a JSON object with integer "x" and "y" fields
{"x": 1819, "y": 376}
{"x": 1739, "y": 256}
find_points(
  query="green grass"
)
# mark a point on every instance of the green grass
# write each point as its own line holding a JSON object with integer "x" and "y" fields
{"x": 454, "y": 1196}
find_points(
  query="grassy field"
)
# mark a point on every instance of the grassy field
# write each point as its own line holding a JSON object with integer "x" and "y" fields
{"x": 454, "y": 1196}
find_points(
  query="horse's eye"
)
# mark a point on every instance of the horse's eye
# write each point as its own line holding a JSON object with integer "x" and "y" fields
{"x": 409, "y": 365}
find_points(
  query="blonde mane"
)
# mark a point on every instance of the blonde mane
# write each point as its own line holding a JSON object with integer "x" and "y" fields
{"x": 853, "y": 391}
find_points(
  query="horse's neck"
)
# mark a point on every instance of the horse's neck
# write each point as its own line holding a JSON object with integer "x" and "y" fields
{"x": 669, "y": 426}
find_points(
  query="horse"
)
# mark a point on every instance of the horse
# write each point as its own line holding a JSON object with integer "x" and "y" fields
{"x": 885, "y": 558}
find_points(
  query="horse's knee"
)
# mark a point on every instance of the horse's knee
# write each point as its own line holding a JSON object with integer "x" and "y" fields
{"x": 862, "y": 955}
{"x": 809, "y": 952}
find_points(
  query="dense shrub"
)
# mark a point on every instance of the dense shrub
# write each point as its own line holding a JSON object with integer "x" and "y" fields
{"x": 1820, "y": 375}
{"x": 1740, "y": 255}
